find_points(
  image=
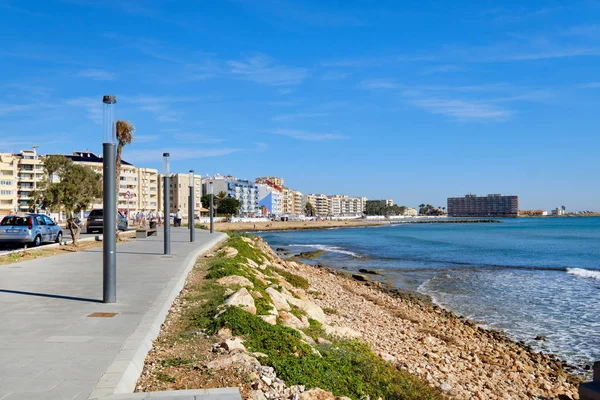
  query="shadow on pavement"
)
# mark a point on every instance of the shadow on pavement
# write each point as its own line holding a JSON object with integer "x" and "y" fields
{"x": 52, "y": 296}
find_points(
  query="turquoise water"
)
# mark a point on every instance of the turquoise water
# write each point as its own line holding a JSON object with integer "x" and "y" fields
{"x": 526, "y": 277}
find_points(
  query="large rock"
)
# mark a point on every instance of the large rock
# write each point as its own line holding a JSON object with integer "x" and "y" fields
{"x": 341, "y": 331}
{"x": 236, "y": 359}
{"x": 233, "y": 280}
{"x": 229, "y": 252}
{"x": 251, "y": 263}
{"x": 316, "y": 394}
{"x": 269, "y": 319}
{"x": 247, "y": 240}
{"x": 278, "y": 299}
{"x": 311, "y": 309}
{"x": 292, "y": 321}
{"x": 233, "y": 344}
{"x": 242, "y": 298}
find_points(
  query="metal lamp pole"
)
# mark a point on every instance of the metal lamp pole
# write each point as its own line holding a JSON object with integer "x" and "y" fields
{"x": 167, "y": 204}
{"x": 109, "y": 241}
{"x": 211, "y": 207}
{"x": 191, "y": 209}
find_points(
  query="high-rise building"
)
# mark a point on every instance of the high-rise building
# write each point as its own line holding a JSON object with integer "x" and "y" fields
{"x": 492, "y": 205}
{"x": 244, "y": 191}
{"x": 179, "y": 193}
{"x": 148, "y": 194}
{"x": 342, "y": 205}
{"x": 320, "y": 203}
{"x": 270, "y": 198}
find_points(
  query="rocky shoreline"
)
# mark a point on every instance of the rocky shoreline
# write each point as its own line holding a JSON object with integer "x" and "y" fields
{"x": 450, "y": 354}
{"x": 448, "y": 351}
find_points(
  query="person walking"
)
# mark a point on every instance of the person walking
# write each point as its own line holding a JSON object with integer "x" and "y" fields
{"x": 159, "y": 217}
{"x": 178, "y": 217}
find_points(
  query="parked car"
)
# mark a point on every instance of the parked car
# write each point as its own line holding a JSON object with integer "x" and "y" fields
{"x": 29, "y": 228}
{"x": 95, "y": 221}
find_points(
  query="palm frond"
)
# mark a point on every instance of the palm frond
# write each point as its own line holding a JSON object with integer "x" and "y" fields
{"x": 125, "y": 132}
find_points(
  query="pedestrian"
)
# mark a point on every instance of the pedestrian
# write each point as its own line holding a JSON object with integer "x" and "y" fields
{"x": 151, "y": 216}
{"x": 159, "y": 217}
{"x": 179, "y": 216}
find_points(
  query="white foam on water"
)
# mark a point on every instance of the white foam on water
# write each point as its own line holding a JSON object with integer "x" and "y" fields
{"x": 584, "y": 273}
{"x": 331, "y": 249}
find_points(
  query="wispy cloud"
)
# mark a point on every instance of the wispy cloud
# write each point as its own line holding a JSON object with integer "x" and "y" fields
{"x": 9, "y": 109}
{"x": 310, "y": 136}
{"x": 362, "y": 62}
{"x": 379, "y": 84}
{"x": 141, "y": 139}
{"x": 177, "y": 153}
{"x": 463, "y": 110}
{"x": 261, "y": 69}
{"x": 591, "y": 31}
{"x": 334, "y": 76}
{"x": 160, "y": 106}
{"x": 442, "y": 68}
{"x": 591, "y": 85}
{"x": 92, "y": 105}
{"x": 292, "y": 117}
{"x": 97, "y": 75}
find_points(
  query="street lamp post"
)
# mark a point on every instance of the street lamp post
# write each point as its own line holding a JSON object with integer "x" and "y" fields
{"x": 191, "y": 208}
{"x": 167, "y": 204}
{"x": 109, "y": 241}
{"x": 211, "y": 208}
{"x": 35, "y": 158}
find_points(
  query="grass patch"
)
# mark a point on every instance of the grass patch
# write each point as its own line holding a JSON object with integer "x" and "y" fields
{"x": 315, "y": 329}
{"x": 330, "y": 311}
{"x": 347, "y": 368}
{"x": 293, "y": 279}
{"x": 263, "y": 305}
{"x": 161, "y": 376}
{"x": 176, "y": 362}
{"x": 297, "y": 311}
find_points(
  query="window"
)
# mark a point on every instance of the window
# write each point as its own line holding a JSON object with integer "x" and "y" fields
{"x": 48, "y": 220}
{"x": 6, "y": 192}
{"x": 40, "y": 220}
{"x": 6, "y": 183}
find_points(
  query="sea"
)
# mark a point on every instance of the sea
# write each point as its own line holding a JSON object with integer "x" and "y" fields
{"x": 527, "y": 277}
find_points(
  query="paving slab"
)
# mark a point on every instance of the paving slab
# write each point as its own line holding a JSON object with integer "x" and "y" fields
{"x": 53, "y": 348}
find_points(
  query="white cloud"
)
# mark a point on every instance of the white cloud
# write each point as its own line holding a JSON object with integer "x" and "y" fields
{"x": 305, "y": 135}
{"x": 97, "y": 75}
{"x": 442, "y": 68}
{"x": 9, "y": 109}
{"x": 177, "y": 153}
{"x": 291, "y": 117}
{"x": 591, "y": 85}
{"x": 261, "y": 69}
{"x": 463, "y": 110}
{"x": 379, "y": 84}
{"x": 92, "y": 105}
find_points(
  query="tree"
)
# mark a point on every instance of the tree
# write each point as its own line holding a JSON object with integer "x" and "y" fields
{"x": 205, "y": 200}
{"x": 75, "y": 190}
{"x": 220, "y": 197}
{"x": 309, "y": 210}
{"x": 229, "y": 206}
{"x": 124, "y": 133}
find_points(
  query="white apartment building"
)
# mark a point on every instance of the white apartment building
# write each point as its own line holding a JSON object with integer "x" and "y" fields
{"x": 179, "y": 193}
{"x": 342, "y": 205}
{"x": 147, "y": 195}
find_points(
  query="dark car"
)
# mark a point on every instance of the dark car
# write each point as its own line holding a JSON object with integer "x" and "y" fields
{"x": 95, "y": 222}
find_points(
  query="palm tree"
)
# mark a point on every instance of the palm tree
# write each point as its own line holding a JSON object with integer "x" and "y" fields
{"x": 219, "y": 197}
{"x": 124, "y": 136}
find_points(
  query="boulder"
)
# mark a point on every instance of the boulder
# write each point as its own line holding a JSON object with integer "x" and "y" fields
{"x": 229, "y": 252}
{"x": 359, "y": 277}
{"x": 368, "y": 271}
{"x": 242, "y": 298}
{"x": 270, "y": 319}
{"x": 311, "y": 309}
{"x": 233, "y": 344}
{"x": 251, "y": 263}
{"x": 226, "y": 362}
{"x": 235, "y": 280}
{"x": 256, "y": 395}
{"x": 316, "y": 394}
{"x": 341, "y": 331}
{"x": 278, "y": 299}
{"x": 292, "y": 321}
{"x": 247, "y": 240}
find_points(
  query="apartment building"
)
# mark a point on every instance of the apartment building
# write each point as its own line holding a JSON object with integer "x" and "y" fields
{"x": 179, "y": 193}
{"x": 148, "y": 193}
{"x": 271, "y": 180}
{"x": 19, "y": 175}
{"x": 245, "y": 191}
{"x": 320, "y": 203}
{"x": 492, "y": 205}
{"x": 270, "y": 198}
{"x": 342, "y": 205}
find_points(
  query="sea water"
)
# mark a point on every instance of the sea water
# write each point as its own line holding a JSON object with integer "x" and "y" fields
{"x": 528, "y": 277}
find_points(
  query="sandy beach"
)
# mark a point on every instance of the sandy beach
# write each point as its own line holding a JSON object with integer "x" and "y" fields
{"x": 293, "y": 225}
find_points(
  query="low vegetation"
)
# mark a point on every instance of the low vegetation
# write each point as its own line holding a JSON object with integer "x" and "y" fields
{"x": 344, "y": 367}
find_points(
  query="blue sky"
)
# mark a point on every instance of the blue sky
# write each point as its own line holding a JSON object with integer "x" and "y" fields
{"x": 414, "y": 101}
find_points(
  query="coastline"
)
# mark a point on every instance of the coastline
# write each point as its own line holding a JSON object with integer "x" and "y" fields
{"x": 319, "y": 225}
{"x": 204, "y": 343}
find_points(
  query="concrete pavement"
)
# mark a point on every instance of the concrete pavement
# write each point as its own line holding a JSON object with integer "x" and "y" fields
{"x": 59, "y": 341}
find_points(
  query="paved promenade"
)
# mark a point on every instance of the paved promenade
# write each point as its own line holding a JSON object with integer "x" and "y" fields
{"x": 50, "y": 346}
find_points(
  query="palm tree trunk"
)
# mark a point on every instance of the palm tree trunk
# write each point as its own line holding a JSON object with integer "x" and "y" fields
{"x": 118, "y": 179}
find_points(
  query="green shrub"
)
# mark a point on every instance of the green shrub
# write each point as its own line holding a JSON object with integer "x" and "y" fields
{"x": 165, "y": 377}
{"x": 293, "y": 279}
{"x": 176, "y": 362}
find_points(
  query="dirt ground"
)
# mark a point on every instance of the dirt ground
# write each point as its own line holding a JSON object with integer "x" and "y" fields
{"x": 292, "y": 225}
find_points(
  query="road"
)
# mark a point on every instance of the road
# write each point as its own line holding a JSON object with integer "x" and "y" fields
{"x": 66, "y": 236}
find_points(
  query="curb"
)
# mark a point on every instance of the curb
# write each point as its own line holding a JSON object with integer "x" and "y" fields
{"x": 66, "y": 242}
{"x": 122, "y": 375}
